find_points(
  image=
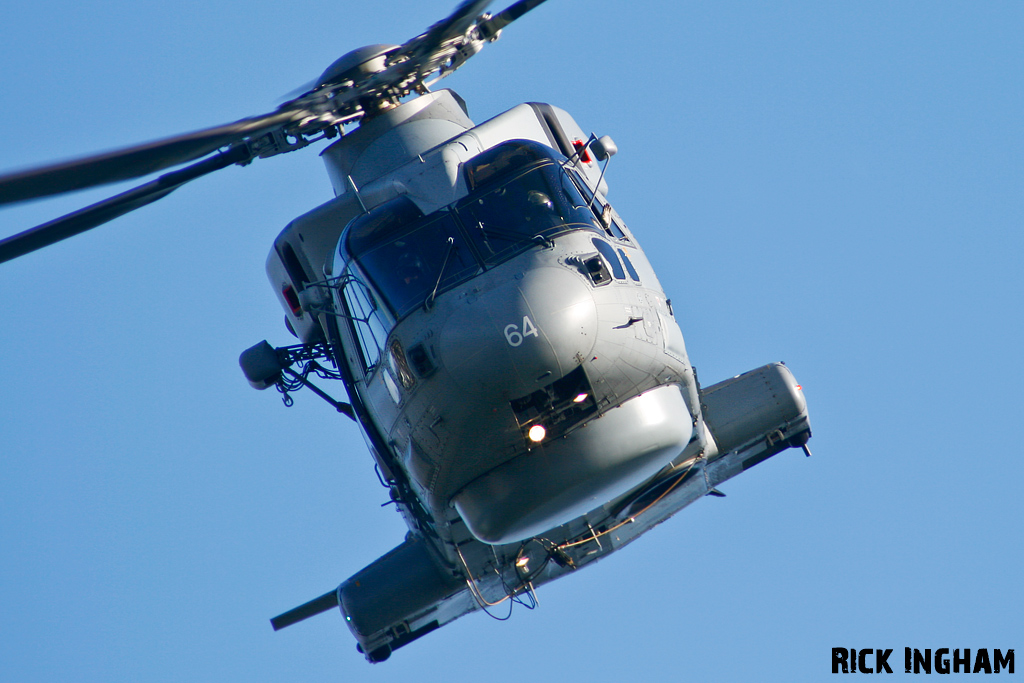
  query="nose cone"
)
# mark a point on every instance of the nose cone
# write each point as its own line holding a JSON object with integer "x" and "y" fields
{"x": 558, "y": 481}
{"x": 520, "y": 334}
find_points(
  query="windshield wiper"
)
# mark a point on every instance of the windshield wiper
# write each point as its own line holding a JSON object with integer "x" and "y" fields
{"x": 510, "y": 236}
{"x": 433, "y": 294}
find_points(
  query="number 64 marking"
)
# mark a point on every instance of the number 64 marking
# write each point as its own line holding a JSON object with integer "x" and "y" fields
{"x": 514, "y": 337}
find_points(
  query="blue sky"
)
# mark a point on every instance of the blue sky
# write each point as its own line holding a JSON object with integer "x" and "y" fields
{"x": 835, "y": 185}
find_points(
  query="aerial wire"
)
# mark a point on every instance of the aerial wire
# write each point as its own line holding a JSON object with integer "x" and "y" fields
{"x": 632, "y": 518}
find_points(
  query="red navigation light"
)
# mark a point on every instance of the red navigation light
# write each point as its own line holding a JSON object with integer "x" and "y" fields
{"x": 293, "y": 299}
{"x": 581, "y": 149}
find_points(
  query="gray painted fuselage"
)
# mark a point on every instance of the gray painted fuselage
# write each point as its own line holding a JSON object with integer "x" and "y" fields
{"x": 567, "y": 329}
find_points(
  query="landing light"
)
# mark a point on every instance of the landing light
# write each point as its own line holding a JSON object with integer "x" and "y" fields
{"x": 537, "y": 433}
{"x": 580, "y": 398}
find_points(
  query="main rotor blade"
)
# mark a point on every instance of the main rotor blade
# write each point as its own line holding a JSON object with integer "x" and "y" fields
{"x": 118, "y": 205}
{"x": 310, "y": 609}
{"x": 428, "y": 51}
{"x": 439, "y": 50}
{"x": 132, "y": 162}
{"x": 510, "y": 14}
{"x": 418, "y": 57}
{"x": 453, "y": 26}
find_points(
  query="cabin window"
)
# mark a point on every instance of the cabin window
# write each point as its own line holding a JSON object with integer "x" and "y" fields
{"x": 399, "y": 365}
{"x": 609, "y": 254}
{"x": 365, "y": 314}
{"x": 633, "y": 275}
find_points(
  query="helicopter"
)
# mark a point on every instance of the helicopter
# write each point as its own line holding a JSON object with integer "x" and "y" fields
{"x": 504, "y": 343}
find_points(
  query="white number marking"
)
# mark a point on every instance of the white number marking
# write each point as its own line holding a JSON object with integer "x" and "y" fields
{"x": 514, "y": 337}
{"x": 528, "y": 327}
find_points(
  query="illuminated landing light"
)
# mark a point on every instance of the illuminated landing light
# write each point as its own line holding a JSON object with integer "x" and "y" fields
{"x": 522, "y": 561}
{"x": 537, "y": 433}
{"x": 580, "y": 398}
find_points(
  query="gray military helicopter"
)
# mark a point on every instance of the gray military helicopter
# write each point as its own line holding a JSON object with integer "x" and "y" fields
{"x": 507, "y": 350}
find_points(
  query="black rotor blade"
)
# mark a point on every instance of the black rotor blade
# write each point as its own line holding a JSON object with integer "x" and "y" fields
{"x": 510, "y": 14}
{"x": 438, "y": 50}
{"x": 310, "y": 609}
{"x": 118, "y": 205}
{"x": 452, "y": 26}
{"x": 132, "y": 162}
{"x": 423, "y": 50}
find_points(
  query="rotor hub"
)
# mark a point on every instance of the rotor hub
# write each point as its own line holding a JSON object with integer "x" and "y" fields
{"x": 357, "y": 64}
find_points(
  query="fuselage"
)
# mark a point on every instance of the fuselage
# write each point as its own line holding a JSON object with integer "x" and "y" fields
{"x": 517, "y": 351}
{"x": 506, "y": 340}
{"x": 506, "y": 335}
{"x": 515, "y": 367}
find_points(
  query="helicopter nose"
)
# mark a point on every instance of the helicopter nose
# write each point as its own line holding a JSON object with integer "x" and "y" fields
{"x": 519, "y": 334}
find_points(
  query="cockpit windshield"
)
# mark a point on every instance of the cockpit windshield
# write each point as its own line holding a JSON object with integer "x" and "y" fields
{"x": 409, "y": 256}
{"x": 507, "y": 215}
{"x": 520, "y": 197}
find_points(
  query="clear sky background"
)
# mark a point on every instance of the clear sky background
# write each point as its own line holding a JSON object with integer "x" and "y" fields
{"x": 837, "y": 185}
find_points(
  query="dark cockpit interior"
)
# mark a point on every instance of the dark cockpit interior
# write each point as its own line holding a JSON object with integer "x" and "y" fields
{"x": 520, "y": 197}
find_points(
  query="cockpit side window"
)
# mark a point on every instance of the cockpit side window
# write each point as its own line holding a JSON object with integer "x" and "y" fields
{"x": 609, "y": 254}
{"x": 503, "y": 160}
{"x": 365, "y": 315}
{"x": 633, "y": 275}
{"x": 602, "y": 210}
{"x": 533, "y": 206}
